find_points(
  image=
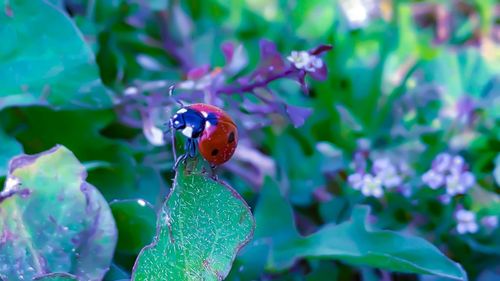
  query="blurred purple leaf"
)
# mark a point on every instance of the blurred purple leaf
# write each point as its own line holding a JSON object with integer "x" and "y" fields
{"x": 236, "y": 59}
{"x": 320, "y": 49}
{"x": 198, "y": 72}
{"x": 271, "y": 61}
{"x": 320, "y": 74}
{"x": 298, "y": 114}
{"x": 228, "y": 51}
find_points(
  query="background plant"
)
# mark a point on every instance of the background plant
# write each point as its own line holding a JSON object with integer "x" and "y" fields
{"x": 401, "y": 115}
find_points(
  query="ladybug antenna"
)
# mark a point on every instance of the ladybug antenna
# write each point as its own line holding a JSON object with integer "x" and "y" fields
{"x": 171, "y": 94}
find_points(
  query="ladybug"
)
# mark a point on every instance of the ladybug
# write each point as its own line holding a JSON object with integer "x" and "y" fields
{"x": 209, "y": 128}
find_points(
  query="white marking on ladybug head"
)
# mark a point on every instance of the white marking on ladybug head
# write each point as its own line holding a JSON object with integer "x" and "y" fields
{"x": 205, "y": 114}
{"x": 188, "y": 132}
{"x": 175, "y": 116}
{"x": 207, "y": 124}
{"x": 182, "y": 110}
{"x": 176, "y": 122}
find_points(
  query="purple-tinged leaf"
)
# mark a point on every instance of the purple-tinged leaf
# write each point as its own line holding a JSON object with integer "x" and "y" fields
{"x": 51, "y": 220}
{"x": 237, "y": 61}
{"x": 198, "y": 72}
{"x": 301, "y": 77}
{"x": 271, "y": 61}
{"x": 298, "y": 114}
{"x": 320, "y": 49}
{"x": 320, "y": 74}
{"x": 56, "y": 277}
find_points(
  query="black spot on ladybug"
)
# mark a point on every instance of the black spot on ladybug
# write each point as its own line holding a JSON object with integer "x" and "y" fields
{"x": 215, "y": 152}
{"x": 230, "y": 139}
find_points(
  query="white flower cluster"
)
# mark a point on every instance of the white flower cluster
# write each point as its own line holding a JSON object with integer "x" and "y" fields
{"x": 467, "y": 222}
{"x": 306, "y": 61}
{"x": 385, "y": 174}
{"x": 450, "y": 171}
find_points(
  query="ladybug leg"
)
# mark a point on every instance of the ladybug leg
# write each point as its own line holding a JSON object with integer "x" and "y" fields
{"x": 179, "y": 160}
{"x": 214, "y": 174}
{"x": 190, "y": 147}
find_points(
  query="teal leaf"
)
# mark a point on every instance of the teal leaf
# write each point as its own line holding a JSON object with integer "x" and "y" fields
{"x": 352, "y": 241}
{"x": 9, "y": 148}
{"x": 51, "y": 220}
{"x": 201, "y": 227}
{"x": 45, "y": 60}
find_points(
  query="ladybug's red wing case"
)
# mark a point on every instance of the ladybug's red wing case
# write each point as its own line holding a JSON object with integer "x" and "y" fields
{"x": 218, "y": 142}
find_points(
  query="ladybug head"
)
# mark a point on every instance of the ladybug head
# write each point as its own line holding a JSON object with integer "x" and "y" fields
{"x": 189, "y": 122}
{"x": 177, "y": 121}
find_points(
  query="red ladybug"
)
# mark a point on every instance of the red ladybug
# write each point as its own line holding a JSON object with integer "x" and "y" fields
{"x": 210, "y": 127}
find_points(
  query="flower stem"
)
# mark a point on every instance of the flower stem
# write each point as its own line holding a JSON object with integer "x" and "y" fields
{"x": 244, "y": 88}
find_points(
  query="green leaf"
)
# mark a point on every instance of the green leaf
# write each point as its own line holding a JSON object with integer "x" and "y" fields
{"x": 352, "y": 241}
{"x": 131, "y": 215}
{"x": 51, "y": 220}
{"x": 201, "y": 227}
{"x": 9, "y": 148}
{"x": 314, "y": 18}
{"x": 56, "y": 277}
{"x": 45, "y": 60}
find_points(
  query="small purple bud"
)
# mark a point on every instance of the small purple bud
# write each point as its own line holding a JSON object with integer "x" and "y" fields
{"x": 228, "y": 51}
{"x": 490, "y": 222}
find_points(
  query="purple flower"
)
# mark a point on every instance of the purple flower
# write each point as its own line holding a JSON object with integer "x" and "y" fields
{"x": 372, "y": 186}
{"x": 466, "y": 108}
{"x": 445, "y": 199}
{"x": 359, "y": 162}
{"x": 457, "y": 183}
{"x": 450, "y": 171}
{"x": 386, "y": 172}
{"x": 405, "y": 190}
{"x": 466, "y": 222}
{"x": 304, "y": 60}
{"x": 356, "y": 180}
{"x": 442, "y": 162}
{"x": 433, "y": 179}
{"x": 457, "y": 164}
